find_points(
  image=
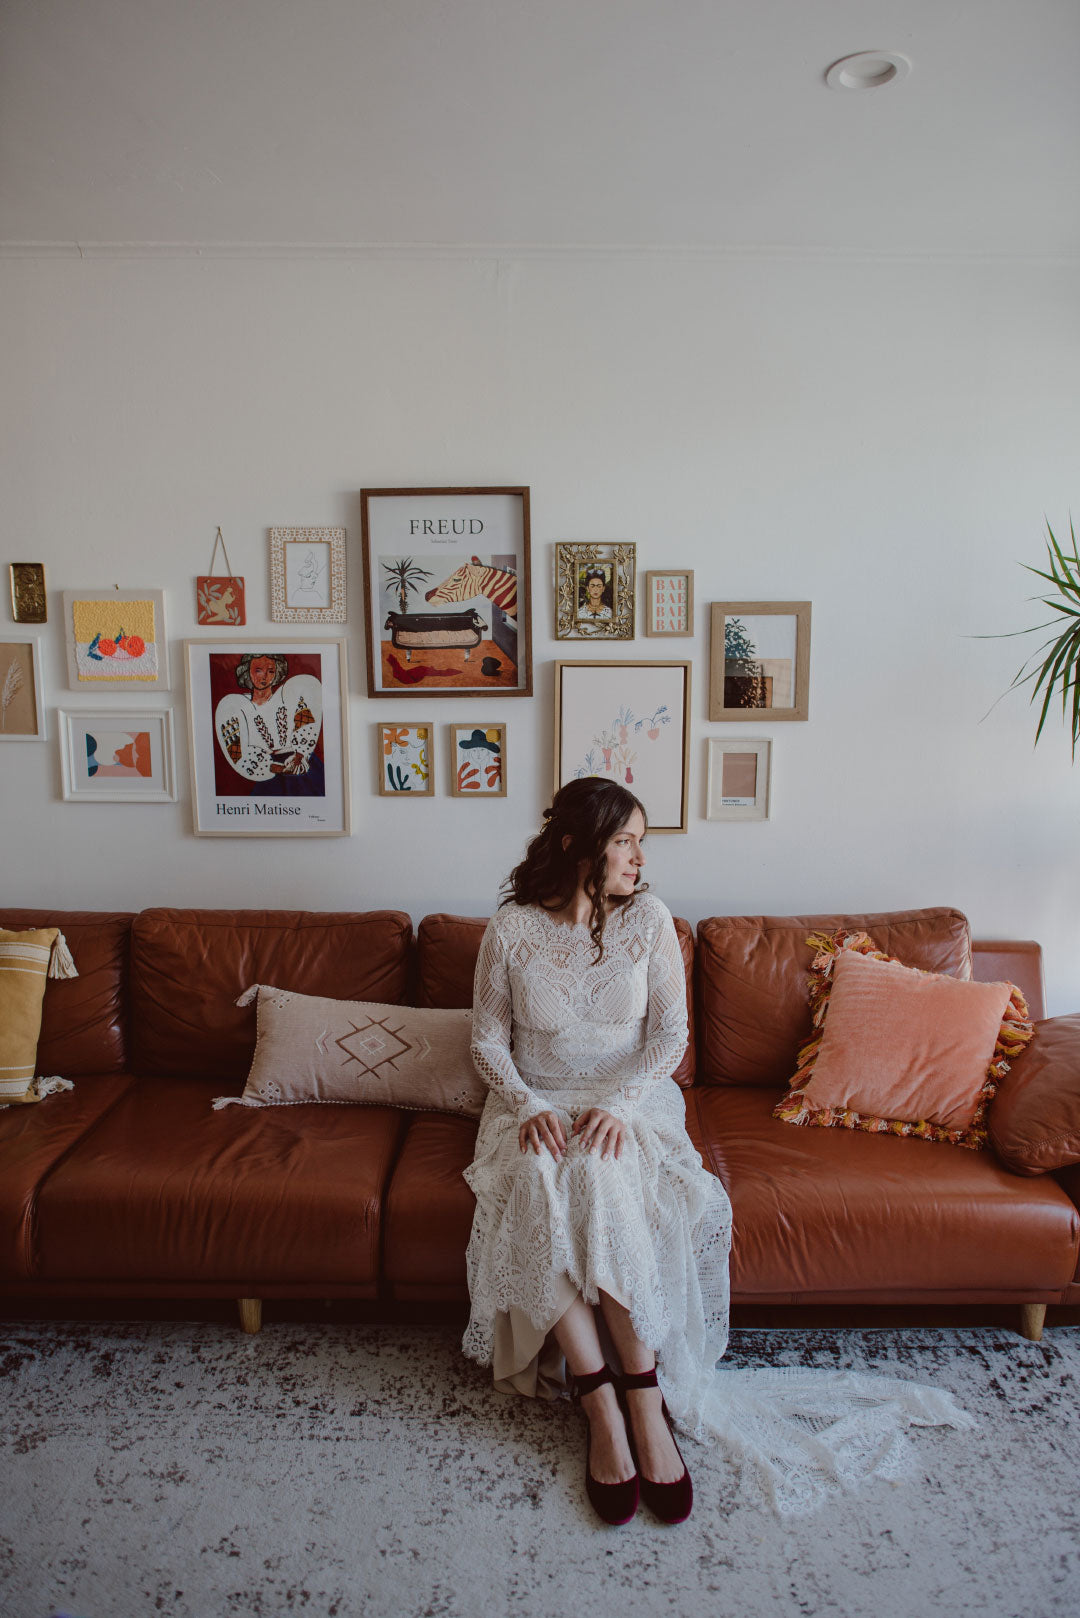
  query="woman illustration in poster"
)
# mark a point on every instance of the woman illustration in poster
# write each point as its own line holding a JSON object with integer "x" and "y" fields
{"x": 269, "y": 737}
{"x": 592, "y": 590}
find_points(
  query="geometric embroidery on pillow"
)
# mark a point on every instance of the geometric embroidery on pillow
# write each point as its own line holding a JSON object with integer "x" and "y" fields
{"x": 374, "y": 1045}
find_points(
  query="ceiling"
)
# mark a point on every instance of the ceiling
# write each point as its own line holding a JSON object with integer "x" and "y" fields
{"x": 548, "y": 123}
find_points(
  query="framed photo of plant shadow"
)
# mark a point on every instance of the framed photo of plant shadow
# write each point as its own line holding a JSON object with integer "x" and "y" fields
{"x": 759, "y": 660}
{"x": 627, "y": 722}
{"x": 447, "y": 601}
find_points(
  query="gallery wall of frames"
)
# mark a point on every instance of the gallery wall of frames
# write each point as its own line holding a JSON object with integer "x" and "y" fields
{"x": 448, "y": 602}
{"x": 319, "y": 572}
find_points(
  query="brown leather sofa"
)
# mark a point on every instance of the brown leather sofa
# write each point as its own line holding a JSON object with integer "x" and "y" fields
{"x": 130, "y": 1185}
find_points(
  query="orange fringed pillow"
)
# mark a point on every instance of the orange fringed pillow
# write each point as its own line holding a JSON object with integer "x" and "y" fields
{"x": 898, "y": 1051}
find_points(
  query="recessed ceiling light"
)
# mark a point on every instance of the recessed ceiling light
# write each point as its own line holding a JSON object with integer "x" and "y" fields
{"x": 867, "y": 70}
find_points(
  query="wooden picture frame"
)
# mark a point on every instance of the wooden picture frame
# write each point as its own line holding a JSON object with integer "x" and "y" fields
{"x": 447, "y": 591}
{"x": 116, "y": 639}
{"x": 406, "y": 759}
{"x": 594, "y": 590}
{"x": 628, "y": 721}
{"x": 117, "y": 755}
{"x": 268, "y": 737}
{"x": 739, "y": 778}
{"x": 307, "y": 575}
{"x": 22, "y": 695}
{"x": 477, "y": 761}
{"x": 669, "y": 601}
{"x": 759, "y": 660}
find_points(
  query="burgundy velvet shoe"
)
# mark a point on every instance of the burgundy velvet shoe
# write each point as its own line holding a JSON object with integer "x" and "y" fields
{"x": 671, "y": 1502}
{"x": 616, "y": 1503}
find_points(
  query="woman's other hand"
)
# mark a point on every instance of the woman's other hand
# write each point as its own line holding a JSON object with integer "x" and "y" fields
{"x": 600, "y": 1131}
{"x": 545, "y": 1129}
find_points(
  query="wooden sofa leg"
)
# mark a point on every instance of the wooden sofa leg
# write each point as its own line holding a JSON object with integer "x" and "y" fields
{"x": 1032, "y": 1316}
{"x": 251, "y": 1314}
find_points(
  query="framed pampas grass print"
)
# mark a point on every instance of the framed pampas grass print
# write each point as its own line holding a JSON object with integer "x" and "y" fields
{"x": 22, "y": 703}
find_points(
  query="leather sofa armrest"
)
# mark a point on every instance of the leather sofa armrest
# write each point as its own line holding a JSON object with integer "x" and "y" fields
{"x": 1035, "y": 1116}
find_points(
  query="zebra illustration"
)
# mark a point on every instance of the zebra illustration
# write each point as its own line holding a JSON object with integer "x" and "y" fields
{"x": 475, "y": 578}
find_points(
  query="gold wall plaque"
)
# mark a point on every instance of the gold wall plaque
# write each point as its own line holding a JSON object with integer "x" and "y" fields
{"x": 28, "y": 604}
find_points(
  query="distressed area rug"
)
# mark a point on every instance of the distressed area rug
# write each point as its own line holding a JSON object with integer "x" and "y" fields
{"x": 186, "y": 1469}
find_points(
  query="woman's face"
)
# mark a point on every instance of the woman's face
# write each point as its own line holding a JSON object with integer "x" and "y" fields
{"x": 624, "y": 857}
{"x": 262, "y": 671}
{"x": 594, "y": 593}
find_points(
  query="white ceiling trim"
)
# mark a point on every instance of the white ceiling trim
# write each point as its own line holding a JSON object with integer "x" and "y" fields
{"x": 505, "y": 251}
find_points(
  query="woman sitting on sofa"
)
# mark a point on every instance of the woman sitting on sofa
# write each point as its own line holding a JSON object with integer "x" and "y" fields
{"x": 592, "y": 1202}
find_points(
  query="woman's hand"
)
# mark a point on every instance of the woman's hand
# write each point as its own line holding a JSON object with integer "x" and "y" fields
{"x": 545, "y": 1129}
{"x": 600, "y": 1131}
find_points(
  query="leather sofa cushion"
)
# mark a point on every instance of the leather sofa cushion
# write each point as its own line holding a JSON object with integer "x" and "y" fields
{"x": 82, "y": 1019}
{"x": 752, "y": 992}
{"x": 429, "y": 1209}
{"x": 827, "y": 1212}
{"x": 166, "y": 1190}
{"x": 33, "y": 1141}
{"x": 447, "y": 948}
{"x": 1035, "y": 1118}
{"x": 188, "y": 968}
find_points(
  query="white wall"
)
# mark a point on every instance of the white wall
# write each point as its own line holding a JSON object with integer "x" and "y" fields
{"x": 879, "y": 436}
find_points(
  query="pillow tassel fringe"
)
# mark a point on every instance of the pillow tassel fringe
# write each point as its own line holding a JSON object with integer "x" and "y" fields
{"x": 235, "y": 1101}
{"x": 61, "y": 964}
{"x": 39, "y": 1089}
{"x": 248, "y": 995}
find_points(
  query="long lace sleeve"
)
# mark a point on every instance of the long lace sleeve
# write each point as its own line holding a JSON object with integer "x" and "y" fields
{"x": 493, "y": 1028}
{"x": 666, "y": 1029}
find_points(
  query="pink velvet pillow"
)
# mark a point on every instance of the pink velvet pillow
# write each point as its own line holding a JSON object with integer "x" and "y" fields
{"x": 901, "y": 1051}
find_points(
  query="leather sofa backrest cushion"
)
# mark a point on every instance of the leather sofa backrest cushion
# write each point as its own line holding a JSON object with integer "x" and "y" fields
{"x": 82, "y": 1019}
{"x": 753, "y": 1010}
{"x": 447, "y": 947}
{"x": 188, "y": 968}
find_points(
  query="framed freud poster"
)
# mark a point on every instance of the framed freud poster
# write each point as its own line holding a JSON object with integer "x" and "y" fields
{"x": 446, "y": 591}
{"x": 268, "y": 737}
{"x": 627, "y": 722}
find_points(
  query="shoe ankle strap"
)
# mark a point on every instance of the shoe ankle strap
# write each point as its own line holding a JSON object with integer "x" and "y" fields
{"x": 638, "y": 1379}
{"x": 589, "y": 1384}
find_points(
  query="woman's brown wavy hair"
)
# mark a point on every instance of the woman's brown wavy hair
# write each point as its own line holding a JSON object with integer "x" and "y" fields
{"x": 589, "y": 812}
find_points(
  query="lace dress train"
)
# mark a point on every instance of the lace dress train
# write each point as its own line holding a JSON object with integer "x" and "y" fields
{"x": 554, "y": 1029}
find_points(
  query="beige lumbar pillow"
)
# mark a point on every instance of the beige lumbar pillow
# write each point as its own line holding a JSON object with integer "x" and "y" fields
{"x": 358, "y": 1051}
{"x": 26, "y": 961}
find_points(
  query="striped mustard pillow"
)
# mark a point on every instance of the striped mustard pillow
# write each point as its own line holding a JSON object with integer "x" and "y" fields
{"x": 26, "y": 961}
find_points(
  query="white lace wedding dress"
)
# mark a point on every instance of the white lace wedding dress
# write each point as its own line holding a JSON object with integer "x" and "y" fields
{"x": 553, "y": 1028}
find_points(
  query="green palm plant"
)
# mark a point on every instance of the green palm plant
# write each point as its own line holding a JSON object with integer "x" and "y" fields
{"x": 1055, "y": 666}
{"x": 404, "y": 576}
